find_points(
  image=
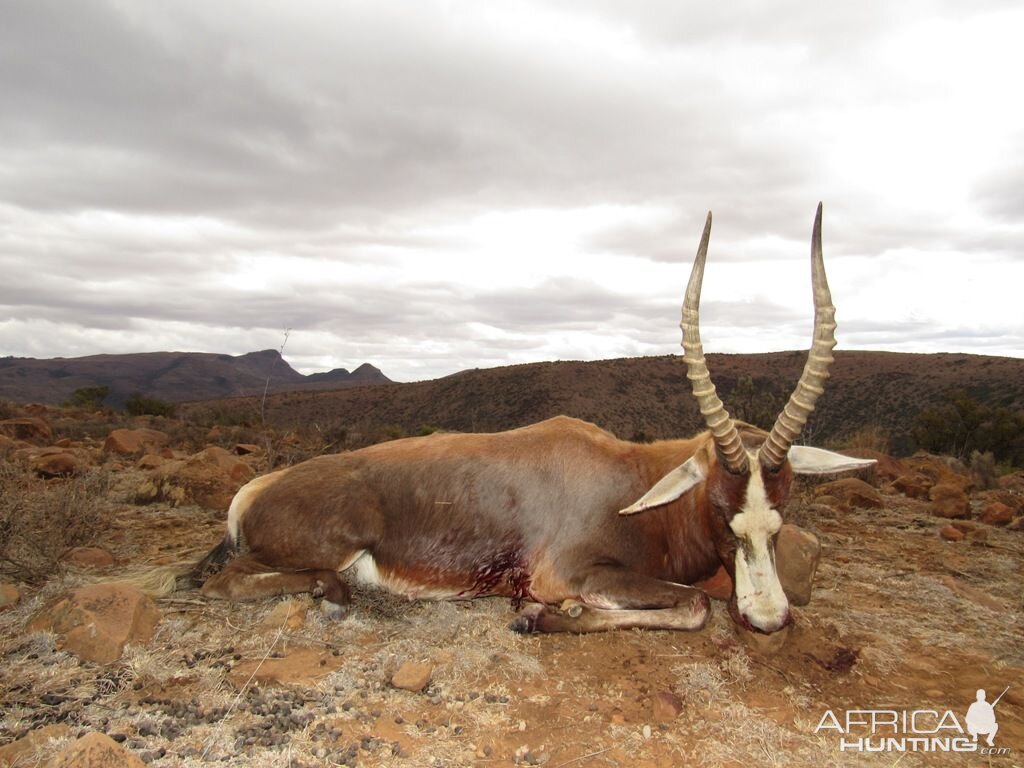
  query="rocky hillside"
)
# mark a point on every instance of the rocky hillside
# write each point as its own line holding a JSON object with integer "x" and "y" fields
{"x": 169, "y": 376}
{"x": 649, "y": 397}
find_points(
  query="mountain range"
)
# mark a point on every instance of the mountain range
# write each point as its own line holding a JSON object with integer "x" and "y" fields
{"x": 170, "y": 376}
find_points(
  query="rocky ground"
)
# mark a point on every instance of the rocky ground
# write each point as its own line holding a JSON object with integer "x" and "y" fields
{"x": 916, "y": 605}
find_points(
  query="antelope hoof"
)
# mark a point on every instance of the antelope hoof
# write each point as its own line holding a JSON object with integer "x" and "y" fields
{"x": 333, "y": 611}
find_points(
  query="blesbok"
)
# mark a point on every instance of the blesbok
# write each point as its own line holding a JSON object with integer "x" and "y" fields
{"x": 595, "y": 532}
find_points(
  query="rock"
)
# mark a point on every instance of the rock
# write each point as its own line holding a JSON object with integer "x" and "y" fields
{"x": 997, "y": 513}
{"x": 150, "y": 461}
{"x": 247, "y": 449}
{"x": 95, "y": 622}
{"x": 96, "y": 750}
{"x": 853, "y": 492}
{"x": 300, "y": 666}
{"x": 949, "y": 501}
{"x": 129, "y": 441}
{"x": 1017, "y": 524}
{"x": 26, "y": 428}
{"x": 291, "y": 614}
{"x": 949, "y": 533}
{"x": 236, "y": 469}
{"x": 796, "y": 561}
{"x": 209, "y": 478}
{"x": 10, "y": 596}
{"x": 666, "y": 706}
{"x": 412, "y": 676}
{"x": 914, "y": 486}
{"x": 718, "y": 586}
{"x": 941, "y": 470}
{"x": 22, "y": 752}
{"x": 88, "y": 557}
{"x": 56, "y": 462}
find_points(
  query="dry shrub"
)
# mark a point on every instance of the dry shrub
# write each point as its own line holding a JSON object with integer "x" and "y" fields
{"x": 871, "y": 436}
{"x": 40, "y": 520}
{"x": 983, "y": 469}
{"x": 8, "y": 410}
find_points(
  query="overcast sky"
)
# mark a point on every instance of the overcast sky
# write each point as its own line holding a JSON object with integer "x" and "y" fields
{"x": 434, "y": 186}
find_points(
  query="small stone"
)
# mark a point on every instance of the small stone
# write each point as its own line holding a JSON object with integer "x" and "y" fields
{"x": 666, "y": 706}
{"x": 949, "y": 533}
{"x": 412, "y": 676}
{"x": 647, "y": 731}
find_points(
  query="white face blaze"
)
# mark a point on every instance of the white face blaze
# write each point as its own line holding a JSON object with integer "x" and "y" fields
{"x": 759, "y": 595}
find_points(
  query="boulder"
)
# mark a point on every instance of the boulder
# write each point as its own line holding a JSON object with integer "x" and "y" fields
{"x": 796, "y": 561}
{"x": 412, "y": 676}
{"x": 997, "y": 513}
{"x": 27, "y": 750}
{"x": 95, "y": 622}
{"x": 28, "y": 428}
{"x": 914, "y": 486}
{"x": 95, "y": 750}
{"x": 56, "y": 462}
{"x": 949, "y": 501}
{"x": 133, "y": 441}
{"x": 884, "y": 470}
{"x": 852, "y": 492}
{"x": 209, "y": 478}
{"x": 941, "y": 470}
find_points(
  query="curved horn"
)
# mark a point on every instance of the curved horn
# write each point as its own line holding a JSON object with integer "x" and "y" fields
{"x": 722, "y": 427}
{"x": 794, "y": 416}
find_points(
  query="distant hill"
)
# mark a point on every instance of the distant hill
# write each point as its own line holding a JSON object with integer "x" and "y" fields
{"x": 649, "y": 397}
{"x": 170, "y": 376}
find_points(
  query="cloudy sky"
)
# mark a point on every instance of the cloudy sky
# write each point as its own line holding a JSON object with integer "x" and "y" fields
{"x": 440, "y": 185}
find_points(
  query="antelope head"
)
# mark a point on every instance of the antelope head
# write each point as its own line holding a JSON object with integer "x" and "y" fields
{"x": 747, "y": 473}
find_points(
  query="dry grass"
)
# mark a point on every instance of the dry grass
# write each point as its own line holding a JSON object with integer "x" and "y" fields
{"x": 40, "y": 520}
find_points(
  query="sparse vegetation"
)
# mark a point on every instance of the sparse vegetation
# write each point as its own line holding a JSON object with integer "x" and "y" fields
{"x": 40, "y": 520}
{"x": 962, "y": 425}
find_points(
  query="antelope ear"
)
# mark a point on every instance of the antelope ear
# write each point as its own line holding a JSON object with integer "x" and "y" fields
{"x": 806, "y": 460}
{"x": 670, "y": 487}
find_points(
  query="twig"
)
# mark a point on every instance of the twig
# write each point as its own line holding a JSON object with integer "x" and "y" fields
{"x": 584, "y": 757}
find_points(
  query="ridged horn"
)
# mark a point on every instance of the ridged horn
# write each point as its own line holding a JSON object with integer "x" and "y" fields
{"x": 794, "y": 416}
{"x": 722, "y": 427}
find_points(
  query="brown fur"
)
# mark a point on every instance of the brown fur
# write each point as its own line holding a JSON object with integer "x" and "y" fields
{"x": 528, "y": 514}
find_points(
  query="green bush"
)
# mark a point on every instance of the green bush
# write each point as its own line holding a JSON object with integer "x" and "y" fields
{"x": 88, "y": 397}
{"x": 962, "y": 425}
